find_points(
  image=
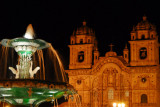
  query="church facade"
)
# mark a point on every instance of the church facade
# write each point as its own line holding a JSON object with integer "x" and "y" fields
{"x": 132, "y": 79}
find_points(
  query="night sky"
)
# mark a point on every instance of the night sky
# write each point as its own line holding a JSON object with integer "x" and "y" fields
{"x": 55, "y": 21}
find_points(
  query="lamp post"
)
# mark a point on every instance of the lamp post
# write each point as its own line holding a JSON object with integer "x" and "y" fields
{"x": 118, "y": 105}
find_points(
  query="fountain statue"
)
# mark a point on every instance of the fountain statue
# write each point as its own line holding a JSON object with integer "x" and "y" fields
{"x": 29, "y": 86}
{"x": 25, "y": 47}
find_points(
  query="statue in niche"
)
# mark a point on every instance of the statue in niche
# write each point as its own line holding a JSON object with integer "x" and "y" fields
{"x": 110, "y": 79}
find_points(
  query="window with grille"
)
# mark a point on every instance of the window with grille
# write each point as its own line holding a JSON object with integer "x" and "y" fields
{"x": 110, "y": 94}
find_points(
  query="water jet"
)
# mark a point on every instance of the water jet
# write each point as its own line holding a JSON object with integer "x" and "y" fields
{"x": 28, "y": 86}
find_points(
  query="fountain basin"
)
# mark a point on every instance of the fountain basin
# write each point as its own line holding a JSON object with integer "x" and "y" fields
{"x": 22, "y": 45}
{"x": 32, "y": 92}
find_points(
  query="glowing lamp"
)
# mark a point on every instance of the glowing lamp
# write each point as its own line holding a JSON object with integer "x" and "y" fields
{"x": 114, "y": 104}
{"x": 119, "y": 105}
{"x": 123, "y": 105}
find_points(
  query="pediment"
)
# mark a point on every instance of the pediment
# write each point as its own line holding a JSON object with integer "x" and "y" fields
{"x": 110, "y": 61}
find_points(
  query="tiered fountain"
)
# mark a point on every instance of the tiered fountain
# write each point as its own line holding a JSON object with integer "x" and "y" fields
{"x": 24, "y": 89}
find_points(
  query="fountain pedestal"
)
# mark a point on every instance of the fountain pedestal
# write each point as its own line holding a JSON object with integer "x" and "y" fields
{"x": 24, "y": 89}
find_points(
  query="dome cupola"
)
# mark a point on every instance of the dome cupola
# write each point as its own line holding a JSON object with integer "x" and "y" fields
{"x": 84, "y": 30}
{"x": 144, "y": 30}
{"x": 145, "y": 25}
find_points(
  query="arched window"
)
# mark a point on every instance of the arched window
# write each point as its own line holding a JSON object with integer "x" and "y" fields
{"x": 89, "y": 41}
{"x": 143, "y": 37}
{"x": 81, "y": 41}
{"x": 72, "y": 42}
{"x": 96, "y": 57}
{"x": 125, "y": 55}
{"x": 127, "y": 93}
{"x": 143, "y": 98}
{"x": 110, "y": 94}
{"x": 152, "y": 36}
{"x": 81, "y": 56}
{"x": 143, "y": 53}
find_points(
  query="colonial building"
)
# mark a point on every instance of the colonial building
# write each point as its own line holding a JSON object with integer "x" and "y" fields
{"x": 103, "y": 80}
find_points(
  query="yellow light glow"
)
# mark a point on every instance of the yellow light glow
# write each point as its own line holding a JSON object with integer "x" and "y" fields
{"x": 123, "y": 105}
{"x": 119, "y": 105}
{"x": 114, "y": 104}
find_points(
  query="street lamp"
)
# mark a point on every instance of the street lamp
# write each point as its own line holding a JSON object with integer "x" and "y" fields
{"x": 119, "y": 105}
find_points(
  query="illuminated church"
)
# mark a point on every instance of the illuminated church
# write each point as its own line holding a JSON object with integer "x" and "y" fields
{"x": 132, "y": 79}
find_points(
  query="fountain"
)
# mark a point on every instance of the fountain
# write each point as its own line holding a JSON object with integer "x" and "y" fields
{"x": 28, "y": 86}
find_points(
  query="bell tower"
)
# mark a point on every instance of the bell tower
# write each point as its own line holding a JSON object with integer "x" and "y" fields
{"x": 82, "y": 46}
{"x": 144, "y": 46}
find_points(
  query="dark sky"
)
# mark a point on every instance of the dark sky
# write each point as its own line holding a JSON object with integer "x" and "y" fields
{"x": 55, "y": 21}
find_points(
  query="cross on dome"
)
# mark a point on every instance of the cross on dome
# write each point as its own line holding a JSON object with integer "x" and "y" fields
{"x": 144, "y": 18}
{"x": 84, "y": 23}
{"x": 111, "y": 47}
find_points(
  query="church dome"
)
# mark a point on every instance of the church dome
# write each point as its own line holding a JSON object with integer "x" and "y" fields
{"x": 84, "y": 30}
{"x": 111, "y": 52}
{"x": 144, "y": 25}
